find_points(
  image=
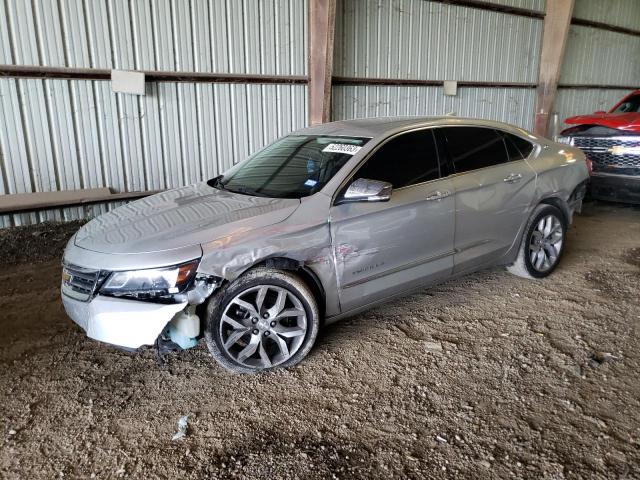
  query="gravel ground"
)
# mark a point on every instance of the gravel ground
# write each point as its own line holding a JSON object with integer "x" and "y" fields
{"x": 489, "y": 376}
{"x": 35, "y": 244}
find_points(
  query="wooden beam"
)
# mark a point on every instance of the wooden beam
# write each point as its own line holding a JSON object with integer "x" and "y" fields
{"x": 554, "y": 40}
{"x": 34, "y": 71}
{"x": 412, "y": 82}
{"x": 322, "y": 22}
{"x": 595, "y": 86}
{"x": 605, "y": 26}
{"x": 494, "y": 7}
{"x": 31, "y": 202}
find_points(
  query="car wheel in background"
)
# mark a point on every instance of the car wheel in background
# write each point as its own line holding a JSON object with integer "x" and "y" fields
{"x": 265, "y": 319}
{"x": 542, "y": 244}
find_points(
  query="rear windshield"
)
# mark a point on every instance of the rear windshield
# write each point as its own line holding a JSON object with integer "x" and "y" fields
{"x": 631, "y": 104}
{"x": 293, "y": 167}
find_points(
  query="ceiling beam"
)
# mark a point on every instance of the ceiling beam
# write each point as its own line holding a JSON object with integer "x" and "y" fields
{"x": 322, "y": 21}
{"x": 554, "y": 41}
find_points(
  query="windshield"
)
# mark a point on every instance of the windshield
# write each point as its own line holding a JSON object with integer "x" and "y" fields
{"x": 293, "y": 167}
{"x": 631, "y": 104}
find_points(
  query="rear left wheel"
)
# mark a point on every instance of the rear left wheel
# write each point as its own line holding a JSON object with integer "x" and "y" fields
{"x": 267, "y": 318}
{"x": 542, "y": 243}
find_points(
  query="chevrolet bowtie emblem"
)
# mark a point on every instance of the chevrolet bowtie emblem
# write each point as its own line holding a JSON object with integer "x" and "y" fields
{"x": 622, "y": 150}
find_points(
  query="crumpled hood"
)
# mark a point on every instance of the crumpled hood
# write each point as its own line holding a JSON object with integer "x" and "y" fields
{"x": 621, "y": 121}
{"x": 178, "y": 218}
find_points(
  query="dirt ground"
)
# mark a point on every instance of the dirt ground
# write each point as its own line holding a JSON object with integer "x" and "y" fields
{"x": 489, "y": 376}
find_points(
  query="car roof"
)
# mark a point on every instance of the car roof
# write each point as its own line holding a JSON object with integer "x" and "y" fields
{"x": 381, "y": 126}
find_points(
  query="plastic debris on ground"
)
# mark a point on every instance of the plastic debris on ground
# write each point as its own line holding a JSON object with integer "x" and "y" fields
{"x": 182, "y": 427}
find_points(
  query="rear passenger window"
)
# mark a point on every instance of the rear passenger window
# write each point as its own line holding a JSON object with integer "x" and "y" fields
{"x": 512, "y": 150}
{"x": 408, "y": 159}
{"x": 471, "y": 148}
{"x": 525, "y": 147}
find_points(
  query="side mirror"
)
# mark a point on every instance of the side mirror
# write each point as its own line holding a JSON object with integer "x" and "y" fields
{"x": 365, "y": 190}
{"x": 599, "y": 112}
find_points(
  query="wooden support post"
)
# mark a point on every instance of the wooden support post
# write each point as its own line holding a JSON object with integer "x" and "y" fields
{"x": 322, "y": 21}
{"x": 554, "y": 40}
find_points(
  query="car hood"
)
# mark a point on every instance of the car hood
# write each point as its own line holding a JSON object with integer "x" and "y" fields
{"x": 621, "y": 121}
{"x": 179, "y": 218}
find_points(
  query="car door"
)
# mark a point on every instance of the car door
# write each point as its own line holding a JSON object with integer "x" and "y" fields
{"x": 384, "y": 248}
{"x": 493, "y": 187}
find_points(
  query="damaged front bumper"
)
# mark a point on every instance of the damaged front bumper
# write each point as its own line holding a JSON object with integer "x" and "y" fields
{"x": 121, "y": 322}
{"x": 119, "y": 319}
{"x": 130, "y": 322}
{"x": 133, "y": 323}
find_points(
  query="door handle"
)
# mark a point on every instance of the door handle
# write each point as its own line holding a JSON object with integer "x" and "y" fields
{"x": 438, "y": 195}
{"x": 512, "y": 178}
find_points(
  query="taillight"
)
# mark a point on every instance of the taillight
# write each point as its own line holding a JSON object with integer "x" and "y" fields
{"x": 589, "y": 165}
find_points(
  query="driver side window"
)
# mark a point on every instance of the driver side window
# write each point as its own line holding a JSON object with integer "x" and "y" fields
{"x": 408, "y": 159}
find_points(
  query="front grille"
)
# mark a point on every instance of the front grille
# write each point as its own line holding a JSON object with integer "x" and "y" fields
{"x": 79, "y": 283}
{"x": 610, "y": 154}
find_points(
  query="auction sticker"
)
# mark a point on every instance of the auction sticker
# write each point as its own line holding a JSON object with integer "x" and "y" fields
{"x": 342, "y": 148}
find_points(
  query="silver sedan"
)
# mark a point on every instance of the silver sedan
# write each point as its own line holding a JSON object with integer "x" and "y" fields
{"x": 319, "y": 225}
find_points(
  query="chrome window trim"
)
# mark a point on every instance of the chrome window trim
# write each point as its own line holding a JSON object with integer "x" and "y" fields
{"x": 536, "y": 150}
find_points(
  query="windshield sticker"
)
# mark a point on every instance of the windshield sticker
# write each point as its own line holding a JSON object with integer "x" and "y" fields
{"x": 341, "y": 148}
{"x": 310, "y": 183}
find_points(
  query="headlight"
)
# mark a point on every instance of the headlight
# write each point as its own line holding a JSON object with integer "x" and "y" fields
{"x": 565, "y": 140}
{"x": 154, "y": 283}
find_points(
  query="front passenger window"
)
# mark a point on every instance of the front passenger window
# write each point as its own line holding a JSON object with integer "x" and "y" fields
{"x": 406, "y": 160}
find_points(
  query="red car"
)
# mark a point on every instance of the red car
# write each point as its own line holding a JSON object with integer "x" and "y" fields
{"x": 611, "y": 140}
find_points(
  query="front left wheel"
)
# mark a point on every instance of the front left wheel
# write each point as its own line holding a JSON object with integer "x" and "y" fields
{"x": 267, "y": 318}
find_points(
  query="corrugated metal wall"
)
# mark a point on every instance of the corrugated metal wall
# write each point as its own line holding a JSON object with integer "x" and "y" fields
{"x": 512, "y": 105}
{"x": 74, "y": 134}
{"x": 71, "y": 134}
{"x": 537, "y": 5}
{"x": 223, "y": 36}
{"x": 417, "y": 39}
{"x": 622, "y": 13}
{"x": 572, "y": 102}
{"x": 599, "y": 57}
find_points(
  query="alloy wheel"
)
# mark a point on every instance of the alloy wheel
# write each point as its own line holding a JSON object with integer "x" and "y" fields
{"x": 263, "y": 326}
{"x": 545, "y": 243}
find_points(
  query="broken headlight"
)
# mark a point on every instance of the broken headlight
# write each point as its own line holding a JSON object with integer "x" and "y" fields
{"x": 150, "y": 284}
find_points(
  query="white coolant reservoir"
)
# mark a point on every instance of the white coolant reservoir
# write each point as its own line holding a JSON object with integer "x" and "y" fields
{"x": 185, "y": 327}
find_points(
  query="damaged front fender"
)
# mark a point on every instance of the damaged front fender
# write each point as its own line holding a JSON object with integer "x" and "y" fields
{"x": 304, "y": 239}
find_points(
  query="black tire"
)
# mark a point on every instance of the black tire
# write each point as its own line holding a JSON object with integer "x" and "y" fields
{"x": 258, "y": 277}
{"x": 523, "y": 266}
